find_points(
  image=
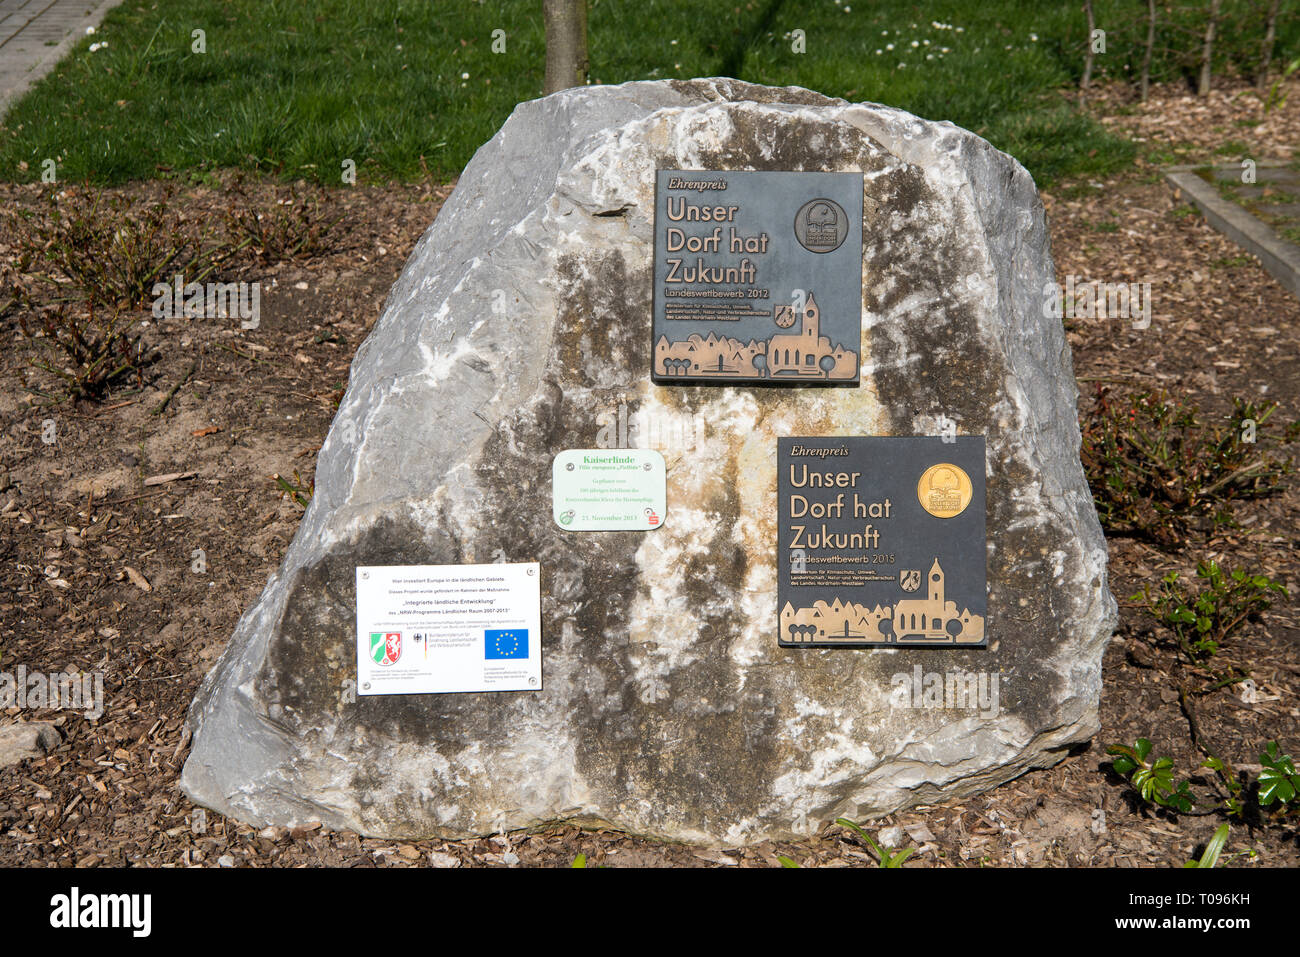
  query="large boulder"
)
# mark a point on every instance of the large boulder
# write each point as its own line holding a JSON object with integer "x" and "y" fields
{"x": 521, "y": 327}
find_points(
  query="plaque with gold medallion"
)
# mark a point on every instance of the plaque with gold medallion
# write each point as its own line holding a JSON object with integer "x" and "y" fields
{"x": 944, "y": 490}
{"x": 881, "y": 542}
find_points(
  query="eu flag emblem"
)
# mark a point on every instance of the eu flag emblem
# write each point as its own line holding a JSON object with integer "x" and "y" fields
{"x": 508, "y": 643}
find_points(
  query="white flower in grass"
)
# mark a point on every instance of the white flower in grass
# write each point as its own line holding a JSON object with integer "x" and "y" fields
{"x": 464, "y": 76}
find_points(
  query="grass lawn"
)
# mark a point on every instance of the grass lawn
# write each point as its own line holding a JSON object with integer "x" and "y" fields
{"x": 402, "y": 87}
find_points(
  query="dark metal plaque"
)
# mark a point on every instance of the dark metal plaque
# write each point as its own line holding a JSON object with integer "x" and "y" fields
{"x": 758, "y": 277}
{"x": 881, "y": 542}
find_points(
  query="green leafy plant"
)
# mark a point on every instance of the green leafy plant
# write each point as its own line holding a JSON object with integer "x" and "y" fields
{"x": 1201, "y": 620}
{"x": 579, "y": 861}
{"x": 1210, "y": 856}
{"x": 1278, "y": 781}
{"x": 1153, "y": 780}
{"x": 887, "y": 856}
{"x": 786, "y": 861}
{"x": 1276, "y": 789}
{"x": 1156, "y": 469}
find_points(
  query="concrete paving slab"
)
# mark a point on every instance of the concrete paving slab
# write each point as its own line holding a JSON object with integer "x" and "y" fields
{"x": 1252, "y": 234}
{"x": 36, "y": 34}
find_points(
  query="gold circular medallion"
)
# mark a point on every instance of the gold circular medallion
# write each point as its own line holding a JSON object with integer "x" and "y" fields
{"x": 944, "y": 490}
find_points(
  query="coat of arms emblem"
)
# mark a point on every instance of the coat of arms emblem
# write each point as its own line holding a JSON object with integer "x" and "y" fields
{"x": 385, "y": 647}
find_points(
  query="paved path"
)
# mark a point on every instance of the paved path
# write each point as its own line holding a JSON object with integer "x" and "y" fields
{"x": 36, "y": 34}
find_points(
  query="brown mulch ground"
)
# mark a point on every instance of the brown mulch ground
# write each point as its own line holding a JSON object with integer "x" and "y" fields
{"x": 1197, "y": 129}
{"x": 77, "y": 514}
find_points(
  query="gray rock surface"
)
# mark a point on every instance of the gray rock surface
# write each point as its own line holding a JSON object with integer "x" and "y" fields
{"x": 520, "y": 323}
{"x": 22, "y": 740}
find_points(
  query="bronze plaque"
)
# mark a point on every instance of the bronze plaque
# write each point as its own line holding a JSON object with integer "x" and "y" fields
{"x": 881, "y": 541}
{"x": 758, "y": 277}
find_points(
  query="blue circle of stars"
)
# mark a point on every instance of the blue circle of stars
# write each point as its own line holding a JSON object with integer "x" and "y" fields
{"x": 503, "y": 652}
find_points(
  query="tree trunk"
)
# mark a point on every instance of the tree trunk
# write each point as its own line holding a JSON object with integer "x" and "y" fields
{"x": 1266, "y": 55}
{"x": 1207, "y": 51}
{"x": 566, "y": 43}
{"x": 1151, "y": 43}
{"x": 1087, "y": 60}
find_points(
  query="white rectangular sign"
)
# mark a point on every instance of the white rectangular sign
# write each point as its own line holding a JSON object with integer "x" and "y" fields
{"x": 604, "y": 490}
{"x": 428, "y": 629}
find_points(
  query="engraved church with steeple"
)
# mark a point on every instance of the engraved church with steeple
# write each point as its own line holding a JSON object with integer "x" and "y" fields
{"x": 929, "y": 620}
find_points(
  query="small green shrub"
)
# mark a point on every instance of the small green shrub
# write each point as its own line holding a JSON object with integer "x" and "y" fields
{"x": 1278, "y": 781}
{"x": 1277, "y": 789}
{"x": 1156, "y": 469}
{"x": 1201, "y": 620}
{"x": 109, "y": 248}
{"x": 90, "y": 352}
{"x": 288, "y": 229}
{"x": 1153, "y": 780}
